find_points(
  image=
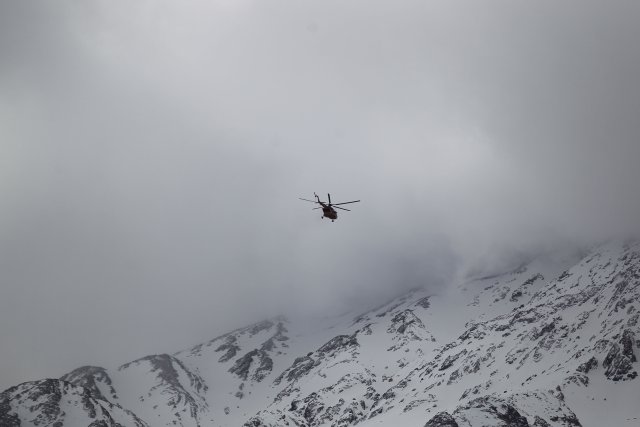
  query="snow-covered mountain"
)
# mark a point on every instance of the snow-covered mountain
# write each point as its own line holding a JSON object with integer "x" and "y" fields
{"x": 552, "y": 343}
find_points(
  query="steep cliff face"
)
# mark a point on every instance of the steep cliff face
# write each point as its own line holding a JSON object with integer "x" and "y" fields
{"x": 553, "y": 343}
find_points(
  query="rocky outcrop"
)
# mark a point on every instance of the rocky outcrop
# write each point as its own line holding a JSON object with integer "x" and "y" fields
{"x": 94, "y": 379}
{"x": 58, "y": 403}
{"x": 229, "y": 347}
{"x": 442, "y": 419}
{"x": 181, "y": 389}
{"x": 256, "y": 360}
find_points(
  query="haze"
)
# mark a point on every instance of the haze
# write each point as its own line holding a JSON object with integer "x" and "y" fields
{"x": 152, "y": 154}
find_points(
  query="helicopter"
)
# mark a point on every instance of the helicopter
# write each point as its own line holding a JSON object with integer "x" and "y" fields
{"x": 328, "y": 207}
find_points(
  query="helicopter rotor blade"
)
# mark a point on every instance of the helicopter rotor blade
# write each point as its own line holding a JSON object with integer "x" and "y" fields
{"x": 345, "y": 203}
{"x": 307, "y": 200}
{"x": 338, "y": 207}
{"x": 329, "y": 196}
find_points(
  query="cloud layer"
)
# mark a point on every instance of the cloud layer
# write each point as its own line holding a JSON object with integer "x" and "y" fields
{"x": 152, "y": 155}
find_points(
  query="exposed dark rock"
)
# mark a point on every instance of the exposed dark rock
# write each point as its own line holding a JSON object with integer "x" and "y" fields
{"x": 627, "y": 340}
{"x": 540, "y": 422}
{"x": 300, "y": 367}
{"x": 451, "y": 359}
{"x": 442, "y": 419}
{"x": 510, "y": 416}
{"x": 243, "y": 365}
{"x": 578, "y": 379}
{"x": 7, "y": 419}
{"x": 259, "y": 327}
{"x": 545, "y": 330}
{"x": 44, "y": 399}
{"x": 229, "y": 347}
{"x": 565, "y": 275}
{"x": 166, "y": 367}
{"x": 567, "y": 420}
{"x": 424, "y": 302}
{"x": 350, "y": 416}
{"x": 168, "y": 370}
{"x": 389, "y": 394}
{"x": 588, "y": 365}
{"x": 454, "y": 376}
{"x": 89, "y": 377}
{"x": 278, "y": 337}
{"x": 619, "y": 361}
{"x": 506, "y": 415}
{"x": 532, "y": 280}
{"x": 475, "y": 331}
{"x": 254, "y": 422}
{"x": 340, "y": 342}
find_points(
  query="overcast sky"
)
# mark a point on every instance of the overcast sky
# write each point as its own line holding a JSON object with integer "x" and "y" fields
{"x": 152, "y": 154}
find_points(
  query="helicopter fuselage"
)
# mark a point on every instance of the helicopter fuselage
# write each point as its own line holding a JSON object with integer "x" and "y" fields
{"x": 329, "y": 212}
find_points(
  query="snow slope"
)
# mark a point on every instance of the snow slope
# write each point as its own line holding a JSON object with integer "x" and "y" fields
{"x": 552, "y": 343}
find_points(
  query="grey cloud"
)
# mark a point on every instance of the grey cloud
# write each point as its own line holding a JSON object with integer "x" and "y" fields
{"x": 152, "y": 155}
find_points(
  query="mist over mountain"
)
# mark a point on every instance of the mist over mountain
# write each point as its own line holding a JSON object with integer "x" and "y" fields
{"x": 152, "y": 155}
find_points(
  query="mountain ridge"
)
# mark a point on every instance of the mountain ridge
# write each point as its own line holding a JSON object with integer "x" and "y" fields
{"x": 529, "y": 347}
